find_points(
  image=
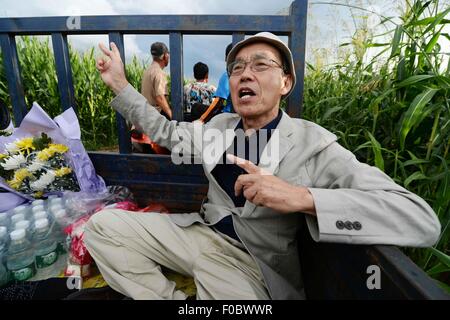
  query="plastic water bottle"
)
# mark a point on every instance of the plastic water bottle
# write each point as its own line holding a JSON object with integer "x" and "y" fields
{"x": 37, "y": 208}
{"x": 26, "y": 225}
{"x": 60, "y": 217}
{"x": 55, "y": 207}
{"x": 21, "y": 209}
{"x": 20, "y": 257}
{"x": 38, "y": 202}
{"x": 3, "y": 241}
{"x": 56, "y": 201}
{"x": 16, "y": 218}
{"x": 40, "y": 215}
{"x": 45, "y": 250}
{"x": 4, "y": 278}
{"x": 4, "y": 219}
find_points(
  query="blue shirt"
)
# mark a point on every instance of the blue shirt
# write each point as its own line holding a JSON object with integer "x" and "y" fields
{"x": 227, "y": 174}
{"x": 223, "y": 91}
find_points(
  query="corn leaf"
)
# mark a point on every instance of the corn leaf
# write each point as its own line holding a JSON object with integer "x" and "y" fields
{"x": 415, "y": 176}
{"x": 376, "y": 148}
{"x": 443, "y": 258}
{"x": 414, "y": 114}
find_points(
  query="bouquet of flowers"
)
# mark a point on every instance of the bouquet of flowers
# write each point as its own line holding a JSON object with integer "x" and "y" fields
{"x": 37, "y": 166}
{"x": 44, "y": 156}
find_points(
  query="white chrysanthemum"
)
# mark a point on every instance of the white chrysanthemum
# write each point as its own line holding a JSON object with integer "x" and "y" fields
{"x": 11, "y": 147}
{"x": 35, "y": 166}
{"x": 14, "y": 162}
{"x": 42, "y": 183}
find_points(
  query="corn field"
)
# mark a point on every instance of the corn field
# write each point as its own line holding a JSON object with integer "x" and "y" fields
{"x": 392, "y": 112}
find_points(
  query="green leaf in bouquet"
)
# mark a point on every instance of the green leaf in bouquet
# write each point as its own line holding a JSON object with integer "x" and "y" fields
{"x": 42, "y": 142}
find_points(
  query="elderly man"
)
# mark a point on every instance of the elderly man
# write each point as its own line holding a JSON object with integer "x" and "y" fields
{"x": 242, "y": 243}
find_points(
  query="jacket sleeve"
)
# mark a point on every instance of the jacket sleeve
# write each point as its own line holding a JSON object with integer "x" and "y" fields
{"x": 359, "y": 204}
{"x": 184, "y": 137}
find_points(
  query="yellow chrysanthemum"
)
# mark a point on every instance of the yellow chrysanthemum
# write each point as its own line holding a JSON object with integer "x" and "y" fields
{"x": 38, "y": 195}
{"x": 44, "y": 155}
{"x": 63, "y": 171}
{"x": 19, "y": 176}
{"x": 26, "y": 144}
{"x": 49, "y": 152}
{"x": 3, "y": 156}
{"x": 58, "y": 148}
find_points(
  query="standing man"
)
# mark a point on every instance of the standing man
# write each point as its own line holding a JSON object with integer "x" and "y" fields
{"x": 154, "y": 80}
{"x": 198, "y": 95}
{"x": 154, "y": 89}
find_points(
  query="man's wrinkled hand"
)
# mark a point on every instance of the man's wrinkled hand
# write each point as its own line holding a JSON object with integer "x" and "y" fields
{"x": 264, "y": 189}
{"x": 112, "y": 69}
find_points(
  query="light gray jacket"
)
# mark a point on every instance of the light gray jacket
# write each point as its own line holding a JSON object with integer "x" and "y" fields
{"x": 355, "y": 203}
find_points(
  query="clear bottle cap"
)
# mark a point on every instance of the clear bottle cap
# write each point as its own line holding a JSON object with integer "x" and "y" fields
{"x": 24, "y": 224}
{"x": 20, "y": 209}
{"x": 17, "y": 217}
{"x": 17, "y": 234}
{"x": 40, "y": 215}
{"x": 56, "y": 207}
{"x": 38, "y": 202}
{"x": 38, "y": 208}
{"x": 60, "y": 214}
{"x": 41, "y": 223}
{"x": 56, "y": 200}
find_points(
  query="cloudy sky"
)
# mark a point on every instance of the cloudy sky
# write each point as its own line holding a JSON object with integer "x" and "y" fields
{"x": 328, "y": 25}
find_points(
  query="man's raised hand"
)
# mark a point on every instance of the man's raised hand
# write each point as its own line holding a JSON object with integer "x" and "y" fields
{"x": 111, "y": 68}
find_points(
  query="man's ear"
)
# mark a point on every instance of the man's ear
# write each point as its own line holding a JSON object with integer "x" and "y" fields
{"x": 287, "y": 84}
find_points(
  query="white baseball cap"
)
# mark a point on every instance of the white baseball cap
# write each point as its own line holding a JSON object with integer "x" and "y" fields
{"x": 274, "y": 41}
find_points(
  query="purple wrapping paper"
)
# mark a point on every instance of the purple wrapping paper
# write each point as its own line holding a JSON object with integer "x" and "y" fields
{"x": 64, "y": 129}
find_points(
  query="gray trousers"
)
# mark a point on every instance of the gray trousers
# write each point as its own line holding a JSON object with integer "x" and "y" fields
{"x": 129, "y": 249}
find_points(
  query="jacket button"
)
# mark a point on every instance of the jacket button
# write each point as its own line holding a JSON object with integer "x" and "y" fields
{"x": 357, "y": 225}
{"x": 340, "y": 225}
{"x": 348, "y": 225}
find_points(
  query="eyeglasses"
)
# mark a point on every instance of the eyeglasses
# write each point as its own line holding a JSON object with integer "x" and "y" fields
{"x": 256, "y": 65}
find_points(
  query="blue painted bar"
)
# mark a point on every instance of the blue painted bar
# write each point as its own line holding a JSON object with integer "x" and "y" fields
{"x": 149, "y": 24}
{"x": 176, "y": 75}
{"x": 238, "y": 36}
{"x": 297, "y": 44}
{"x": 63, "y": 71}
{"x": 122, "y": 127}
{"x": 12, "y": 69}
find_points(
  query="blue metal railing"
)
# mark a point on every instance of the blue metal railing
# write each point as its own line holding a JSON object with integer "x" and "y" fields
{"x": 292, "y": 25}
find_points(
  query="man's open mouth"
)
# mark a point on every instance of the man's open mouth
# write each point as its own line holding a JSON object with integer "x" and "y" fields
{"x": 246, "y": 93}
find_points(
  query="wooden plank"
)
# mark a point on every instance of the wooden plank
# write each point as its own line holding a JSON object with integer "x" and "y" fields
{"x": 63, "y": 71}
{"x": 12, "y": 69}
{"x": 154, "y": 178}
{"x": 150, "y": 24}
{"x": 402, "y": 271}
{"x": 176, "y": 75}
{"x": 339, "y": 271}
{"x": 123, "y": 131}
{"x": 142, "y": 169}
{"x": 297, "y": 43}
